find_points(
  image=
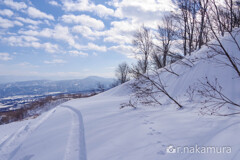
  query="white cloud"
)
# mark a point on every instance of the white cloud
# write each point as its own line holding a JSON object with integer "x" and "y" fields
{"x": 77, "y": 53}
{"x": 55, "y": 61}
{"x": 59, "y": 33}
{"x": 121, "y": 32}
{"x": 143, "y": 10}
{"x": 15, "y": 5}
{"x": 43, "y": 33}
{"x": 114, "y": 3}
{"x": 123, "y": 49}
{"x": 19, "y": 40}
{"x": 29, "y": 38}
{"x": 30, "y": 41}
{"x": 47, "y": 22}
{"x": 33, "y": 27}
{"x": 29, "y": 32}
{"x": 95, "y": 47}
{"x": 87, "y": 32}
{"x": 119, "y": 39}
{"x": 5, "y": 57}
{"x": 29, "y": 21}
{"x": 34, "y": 45}
{"x": 91, "y": 46}
{"x": 85, "y": 5}
{"x": 84, "y": 20}
{"x": 147, "y": 12}
{"x": 62, "y": 33}
{"x": 103, "y": 11}
{"x": 6, "y": 12}
{"x": 135, "y": 13}
{"x": 49, "y": 47}
{"x": 35, "y": 13}
{"x": 124, "y": 26}
{"x": 54, "y": 3}
{"x": 129, "y": 16}
{"x": 80, "y": 5}
{"x": 17, "y": 23}
{"x": 27, "y": 64}
{"x": 5, "y": 23}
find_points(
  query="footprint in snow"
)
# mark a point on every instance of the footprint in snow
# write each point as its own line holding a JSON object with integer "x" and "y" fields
{"x": 147, "y": 122}
{"x": 154, "y": 132}
{"x": 161, "y": 153}
{"x": 150, "y": 133}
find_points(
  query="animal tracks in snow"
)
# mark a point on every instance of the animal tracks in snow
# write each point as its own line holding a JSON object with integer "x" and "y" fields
{"x": 153, "y": 131}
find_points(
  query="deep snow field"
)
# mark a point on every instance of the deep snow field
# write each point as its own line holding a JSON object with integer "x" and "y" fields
{"x": 113, "y": 134}
{"x": 95, "y": 128}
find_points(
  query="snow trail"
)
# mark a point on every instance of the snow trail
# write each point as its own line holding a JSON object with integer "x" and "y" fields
{"x": 76, "y": 141}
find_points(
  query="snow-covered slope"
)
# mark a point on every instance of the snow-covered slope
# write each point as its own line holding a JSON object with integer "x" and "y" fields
{"x": 96, "y": 128}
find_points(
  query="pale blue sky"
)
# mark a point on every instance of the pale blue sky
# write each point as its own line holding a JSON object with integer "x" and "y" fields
{"x": 69, "y": 39}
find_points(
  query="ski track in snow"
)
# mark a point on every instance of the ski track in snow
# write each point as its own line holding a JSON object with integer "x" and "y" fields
{"x": 75, "y": 148}
{"x": 13, "y": 142}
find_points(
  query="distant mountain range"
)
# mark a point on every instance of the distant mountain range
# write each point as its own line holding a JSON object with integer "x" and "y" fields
{"x": 40, "y": 87}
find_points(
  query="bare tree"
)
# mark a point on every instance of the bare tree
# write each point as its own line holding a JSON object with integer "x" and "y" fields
{"x": 219, "y": 47}
{"x": 166, "y": 34}
{"x": 192, "y": 11}
{"x": 188, "y": 22}
{"x": 157, "y": 60}
{"x": 144, "y": 48}
{"x": 203, "y": 4}
{"x": 220, "y": 21}
{"x": 149, "y": 88}
{"x": 184, "y": 16}
{"x": 230, "y": 13}
{"x": 122, "y": 73}
{"x": 100, "y": 87}
{"x": 114, "y": 84}
{"x": 225, "y": 15}
{"x": 237, "y": 13}
{"x": 213, "y": 98}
